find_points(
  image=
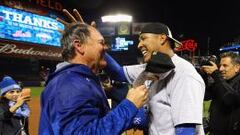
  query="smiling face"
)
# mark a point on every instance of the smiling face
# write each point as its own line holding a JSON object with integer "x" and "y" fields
{"x": 227, "y": 68}
{"x": 149, "y": 43}
{"x": 95, "y": 49}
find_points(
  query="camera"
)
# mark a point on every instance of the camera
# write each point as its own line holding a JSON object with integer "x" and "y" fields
{"x": 205, "y": 60}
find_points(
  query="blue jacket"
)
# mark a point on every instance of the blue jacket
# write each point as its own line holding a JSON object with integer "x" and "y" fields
{"x": 73, "y": 103}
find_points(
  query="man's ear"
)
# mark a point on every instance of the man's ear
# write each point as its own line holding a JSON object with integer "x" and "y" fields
{"x": 163, "y": 38}
{"x": 237, "y": 68}
{"x": 79, "y": 47}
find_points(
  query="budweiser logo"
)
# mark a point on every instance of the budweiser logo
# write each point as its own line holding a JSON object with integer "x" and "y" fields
{"x": 13, "y": 49}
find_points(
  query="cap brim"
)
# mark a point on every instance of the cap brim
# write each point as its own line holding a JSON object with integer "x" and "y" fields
{"x": 176, "y": 41}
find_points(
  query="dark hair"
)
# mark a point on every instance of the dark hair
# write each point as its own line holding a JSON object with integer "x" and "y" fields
{"x": 234, "y": 57}
{"x": 3, "y": 100}
{"x": 77, "y": 31}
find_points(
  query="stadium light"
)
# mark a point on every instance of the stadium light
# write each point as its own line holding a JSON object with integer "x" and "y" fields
{"x": 117, "y": 18}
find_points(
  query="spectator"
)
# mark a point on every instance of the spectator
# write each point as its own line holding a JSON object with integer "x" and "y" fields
{"x": 14, "y": 112}
{"x": 73, "y": 101}
{"x": 225, "y": 95}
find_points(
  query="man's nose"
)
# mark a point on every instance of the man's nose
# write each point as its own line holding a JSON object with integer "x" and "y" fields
{"x": 221, "y": 68}
{"x": 139, "y": 45}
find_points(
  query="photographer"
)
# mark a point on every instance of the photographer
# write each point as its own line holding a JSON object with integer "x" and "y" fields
{"x": 225, "y": 95}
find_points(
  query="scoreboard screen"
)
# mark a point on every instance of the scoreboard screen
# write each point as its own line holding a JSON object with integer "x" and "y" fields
{"x": 24, "y": 26}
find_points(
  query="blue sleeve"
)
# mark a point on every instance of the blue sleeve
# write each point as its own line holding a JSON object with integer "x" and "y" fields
{"x": 83, "y": 113}
{"x": 185, "y": 129}
{"x": 114, "y": 69}
{"x": 140, "y": 121}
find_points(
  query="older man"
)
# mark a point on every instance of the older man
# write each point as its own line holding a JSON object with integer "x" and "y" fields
{"x": 73, "y": 102}
{"x": 225, "y": 95}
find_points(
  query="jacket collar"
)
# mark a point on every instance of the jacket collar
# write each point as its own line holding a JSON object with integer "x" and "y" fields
{"x": 236, "y": 78}
{"x": 78, "y": 68}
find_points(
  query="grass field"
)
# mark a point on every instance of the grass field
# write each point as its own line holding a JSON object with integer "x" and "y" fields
{"x": 206, "y": 105}
{"x": 36, "y": 91}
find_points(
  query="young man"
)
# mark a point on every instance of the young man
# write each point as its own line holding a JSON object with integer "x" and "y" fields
{"x": 74, "y": 102}
{"x": 225, "y": 95}
{"x": 176, "y": 98}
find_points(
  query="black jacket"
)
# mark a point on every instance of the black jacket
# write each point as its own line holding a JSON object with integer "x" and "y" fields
{"x": 10, "y": 124}
{"x": 225, "y": 105}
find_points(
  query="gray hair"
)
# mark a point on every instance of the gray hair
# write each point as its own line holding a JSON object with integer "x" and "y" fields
{"x": 76, "y": 31}
{"x": 234, "y": 57}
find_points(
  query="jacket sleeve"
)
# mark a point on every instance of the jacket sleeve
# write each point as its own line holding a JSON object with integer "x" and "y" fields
{"x": 224, "y": 91}
{"x": 208, "y": 92}
{"x": 114, "y": 69}
{"x": 140, "y": 121}
{"x": 80, "y": 113}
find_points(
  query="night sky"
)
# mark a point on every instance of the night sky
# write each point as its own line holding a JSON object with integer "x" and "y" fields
{"x": 203, "y": 20}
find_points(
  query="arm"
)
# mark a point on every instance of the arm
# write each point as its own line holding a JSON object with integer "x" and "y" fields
{"x": 208, "y": 92}
{"x": 187, "y": 100}
{"x": 140, "y": 121}
{"x": 223, "y": 90}
{"x": 114, "y": 69}
{"x": 125, "y": 73}
{"x": 205, "y": 71}
{"x": 5, "y": 114}
{"x": 83, "y": 114}
{"x": 84, "y": 111}
{"x": 23, "y": 111}
{"x": 185, "y": 129}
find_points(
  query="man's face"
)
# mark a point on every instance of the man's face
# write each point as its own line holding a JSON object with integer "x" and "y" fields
{"x": 95, "y": 50}
{"x": 149, "y": 43}
{"x": 227, "y": 68}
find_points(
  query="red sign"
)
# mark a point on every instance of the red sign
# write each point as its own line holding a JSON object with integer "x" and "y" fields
{"x": 187, "y": 45}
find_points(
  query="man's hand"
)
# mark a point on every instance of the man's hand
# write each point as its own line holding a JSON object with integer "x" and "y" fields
{"x": 210, "y": 69}
{"x": 74, "y": 19}
{"x": 138, "y": 96}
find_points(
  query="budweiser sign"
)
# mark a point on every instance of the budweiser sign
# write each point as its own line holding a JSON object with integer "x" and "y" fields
{"x": 10, "y": 49}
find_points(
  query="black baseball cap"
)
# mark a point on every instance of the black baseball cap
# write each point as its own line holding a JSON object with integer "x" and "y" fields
{"x": 159, "y": 28}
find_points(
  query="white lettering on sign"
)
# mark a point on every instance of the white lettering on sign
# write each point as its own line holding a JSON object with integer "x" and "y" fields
{"x": 39, "y": 22}
{"x": 12, "y": 49}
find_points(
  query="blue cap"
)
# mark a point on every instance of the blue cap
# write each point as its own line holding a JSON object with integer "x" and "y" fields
{"x": 8, "y": 84}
